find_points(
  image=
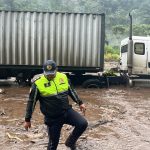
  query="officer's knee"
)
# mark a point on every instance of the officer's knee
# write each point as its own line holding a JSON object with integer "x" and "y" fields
{"x": 83, "y": 124}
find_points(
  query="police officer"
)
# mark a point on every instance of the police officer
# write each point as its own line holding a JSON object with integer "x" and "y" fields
{"x": 52, "y": 89}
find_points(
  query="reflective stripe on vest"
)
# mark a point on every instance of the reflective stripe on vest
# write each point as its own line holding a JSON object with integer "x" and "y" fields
{"x": 52, "y": 87}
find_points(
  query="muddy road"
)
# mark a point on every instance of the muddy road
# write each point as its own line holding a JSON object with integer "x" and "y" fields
{"x": 119, "y": 119}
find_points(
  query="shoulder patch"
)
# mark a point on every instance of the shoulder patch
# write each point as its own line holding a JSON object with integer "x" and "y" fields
{"x": 61, "y": 81}
{"x": 35, "y": 78}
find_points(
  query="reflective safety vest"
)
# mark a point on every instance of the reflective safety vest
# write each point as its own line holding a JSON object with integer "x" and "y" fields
{"x": 52, "y": 87}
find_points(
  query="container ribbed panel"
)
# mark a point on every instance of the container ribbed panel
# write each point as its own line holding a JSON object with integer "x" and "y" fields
{"x": 30, "y": 38}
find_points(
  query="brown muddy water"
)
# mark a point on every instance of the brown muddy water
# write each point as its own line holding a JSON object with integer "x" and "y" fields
{"x": 119, "y": 119}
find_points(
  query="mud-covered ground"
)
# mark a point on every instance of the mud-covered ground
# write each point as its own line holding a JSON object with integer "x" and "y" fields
{"x": 119, "y": 119}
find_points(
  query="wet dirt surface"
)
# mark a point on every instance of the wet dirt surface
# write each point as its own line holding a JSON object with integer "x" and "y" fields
{"x": 118, "y": 117}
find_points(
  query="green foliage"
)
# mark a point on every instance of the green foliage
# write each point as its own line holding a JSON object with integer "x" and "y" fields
{"x": 111, "y": 53}
{"x": 112, "y": 50}
{"x": 109, "y": 73}
{"x": 141, "y": 29}
{"x": 119, "y": 29}
{"x": 138, "y": 30}
{"x": 111, "y": 57}
{"x": 117, "y": 20}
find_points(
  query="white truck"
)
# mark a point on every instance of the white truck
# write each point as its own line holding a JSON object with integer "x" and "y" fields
{"x": 140, "y": 53}
{"x": 135, "y": 58}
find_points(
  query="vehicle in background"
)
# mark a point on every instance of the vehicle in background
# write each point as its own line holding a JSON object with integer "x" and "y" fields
{"x": 135, "y": 58}
{"x": 27, "y": 39}
{"x": 140, "y": 56}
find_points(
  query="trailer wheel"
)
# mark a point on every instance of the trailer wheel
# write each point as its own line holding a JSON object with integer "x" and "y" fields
{"x": 23, "y": 79}
{"x": 91, "y": 83}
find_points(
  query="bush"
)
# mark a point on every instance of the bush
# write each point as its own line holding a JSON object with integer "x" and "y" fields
{"x": 109, "y": 73}
{"x": 111, "y": 54}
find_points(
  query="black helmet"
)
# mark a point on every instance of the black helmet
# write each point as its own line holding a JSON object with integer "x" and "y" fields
{"x": 49, "y": 67}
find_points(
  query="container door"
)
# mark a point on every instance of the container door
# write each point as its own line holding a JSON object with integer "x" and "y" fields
{"x": 140, "y": 57}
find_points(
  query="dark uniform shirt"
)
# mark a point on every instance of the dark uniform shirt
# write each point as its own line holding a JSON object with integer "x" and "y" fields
{"x": 52, "y": 107}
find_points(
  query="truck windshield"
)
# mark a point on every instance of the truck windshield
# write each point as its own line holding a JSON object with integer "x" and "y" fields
{"x": 124, "y": 48}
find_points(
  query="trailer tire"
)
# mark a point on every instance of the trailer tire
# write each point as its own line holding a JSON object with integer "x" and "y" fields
{"x": 91, "y": 83}
{"x": 23, "y": 79}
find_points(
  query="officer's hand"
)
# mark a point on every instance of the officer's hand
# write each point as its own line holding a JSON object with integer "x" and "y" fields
{"x": 83, "y": 108}
{"x": 27, "y": 125}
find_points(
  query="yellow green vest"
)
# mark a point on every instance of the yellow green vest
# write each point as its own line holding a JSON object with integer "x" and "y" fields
{"x": 53, "y": 87}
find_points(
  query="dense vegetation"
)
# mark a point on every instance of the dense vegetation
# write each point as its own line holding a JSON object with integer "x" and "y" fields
{"x": 111, "y": 53}
{"x": 117, "y": 20}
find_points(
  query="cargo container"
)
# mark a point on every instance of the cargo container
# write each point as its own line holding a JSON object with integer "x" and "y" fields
{"x": 27, "y": 39}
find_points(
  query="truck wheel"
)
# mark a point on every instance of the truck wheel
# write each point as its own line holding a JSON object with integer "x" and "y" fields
{"x": 91, "y": 83}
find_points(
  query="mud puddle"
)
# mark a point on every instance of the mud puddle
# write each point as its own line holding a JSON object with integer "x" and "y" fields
{"x": 119, "y": 119}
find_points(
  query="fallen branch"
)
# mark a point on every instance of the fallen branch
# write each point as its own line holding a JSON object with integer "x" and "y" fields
{"x": 13, "y": 137}
{"x": 97, "y": 123}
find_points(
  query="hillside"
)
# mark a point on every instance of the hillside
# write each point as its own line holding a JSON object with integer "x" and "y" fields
{"x": 116, "y": 13}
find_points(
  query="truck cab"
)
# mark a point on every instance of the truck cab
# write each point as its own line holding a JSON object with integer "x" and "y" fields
{"x": 139, "y": 53}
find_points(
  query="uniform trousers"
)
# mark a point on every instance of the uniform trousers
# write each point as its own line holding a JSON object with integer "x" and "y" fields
{"x": 70, "y": 117}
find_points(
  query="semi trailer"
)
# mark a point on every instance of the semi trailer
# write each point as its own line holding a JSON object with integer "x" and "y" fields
{"x": 74, "y": 40}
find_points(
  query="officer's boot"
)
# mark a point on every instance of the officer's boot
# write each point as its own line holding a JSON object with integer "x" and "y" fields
{"x": 71, "y": 142}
